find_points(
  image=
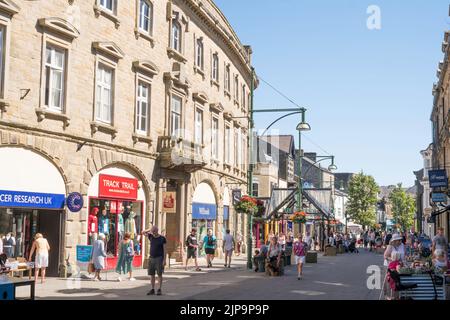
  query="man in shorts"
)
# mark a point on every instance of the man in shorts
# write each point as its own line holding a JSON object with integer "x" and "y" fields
{"x": 157, "y": 259}
{"x": 228, "y": 245}
{"x": 191, "y": 249}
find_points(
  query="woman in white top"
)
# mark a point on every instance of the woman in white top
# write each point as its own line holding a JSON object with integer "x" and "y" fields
{"x": 395, "y": 245}
{"x": 42, "y": 247}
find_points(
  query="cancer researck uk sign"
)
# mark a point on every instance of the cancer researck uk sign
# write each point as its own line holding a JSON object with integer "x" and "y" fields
{"x": 22, "y": 199}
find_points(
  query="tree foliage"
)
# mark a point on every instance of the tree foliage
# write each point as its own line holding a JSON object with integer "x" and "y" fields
{"x": 403, "y": 207}
{"x": 362, "y": 194}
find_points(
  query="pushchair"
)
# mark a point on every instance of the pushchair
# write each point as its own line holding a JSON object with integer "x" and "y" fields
{"x": 352, "y": 246}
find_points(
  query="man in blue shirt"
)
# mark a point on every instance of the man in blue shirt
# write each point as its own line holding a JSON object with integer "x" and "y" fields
{"x": 209, "y": 241}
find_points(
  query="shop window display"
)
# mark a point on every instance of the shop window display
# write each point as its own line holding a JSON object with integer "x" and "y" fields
{"x": 114, "y": 218}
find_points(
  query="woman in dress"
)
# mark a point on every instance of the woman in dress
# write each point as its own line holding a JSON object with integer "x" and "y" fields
{"x": 98, "y": 256}
{"x": 41, "y": 246}
{"x": 126, "y": 254}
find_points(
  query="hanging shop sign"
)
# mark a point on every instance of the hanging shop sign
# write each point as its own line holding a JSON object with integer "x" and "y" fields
{"x": 74, "y": 202}
{"x": 204, "y": 211}
{"x": 21, "y": 199}
{"x": 438, "y": 197}
{"x": 169, "y": 202}
{"x": 438, "y": 178}
{"x": 237, "y": 195}
{"x": 117, "y": 187}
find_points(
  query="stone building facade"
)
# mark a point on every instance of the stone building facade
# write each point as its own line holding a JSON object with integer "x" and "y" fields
{"x": 151, "y": 93}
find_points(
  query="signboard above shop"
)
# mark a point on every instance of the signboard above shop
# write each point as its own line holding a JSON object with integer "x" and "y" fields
{"x": 22, "y": 199}
{"x": 117, "y": 187}
{"x": 438, "y": 197}
{"x": 438, "y": 178}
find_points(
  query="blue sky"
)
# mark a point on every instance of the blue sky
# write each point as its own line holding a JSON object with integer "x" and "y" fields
{"x": 368, "y": 92}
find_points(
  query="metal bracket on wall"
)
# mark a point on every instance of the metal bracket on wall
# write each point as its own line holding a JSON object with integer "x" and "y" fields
{"x": 24, "y": 93}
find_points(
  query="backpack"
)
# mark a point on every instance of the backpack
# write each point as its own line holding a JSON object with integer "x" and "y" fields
{"x": 129, "y": 250}
{"x": 210, "y": 242}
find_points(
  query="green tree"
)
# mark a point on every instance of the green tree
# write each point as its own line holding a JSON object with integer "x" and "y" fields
{"x": 403, "y": 207}
{"x": 362, "y": 194}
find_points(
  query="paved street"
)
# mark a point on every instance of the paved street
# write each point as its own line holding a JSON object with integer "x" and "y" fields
{"x": 340, "y": 277}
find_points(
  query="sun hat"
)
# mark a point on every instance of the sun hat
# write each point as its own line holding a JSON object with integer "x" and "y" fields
{"x": 396, "y": 237}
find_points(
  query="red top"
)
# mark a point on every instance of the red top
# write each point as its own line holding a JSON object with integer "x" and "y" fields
{"x": 93, "y": 221}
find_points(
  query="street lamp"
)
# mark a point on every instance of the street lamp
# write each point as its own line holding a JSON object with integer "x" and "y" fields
{"x": 302, "y": 126}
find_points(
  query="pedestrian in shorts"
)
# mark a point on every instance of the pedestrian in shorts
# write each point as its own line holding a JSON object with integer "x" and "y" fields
{"x": 157, "y": 259}
{"x": 228, "y": 245}
{"x": 191, "y": 249}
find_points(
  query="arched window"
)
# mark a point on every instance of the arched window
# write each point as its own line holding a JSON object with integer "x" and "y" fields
{"x": 145, "y": 16}
{"x": 176, "y": 35}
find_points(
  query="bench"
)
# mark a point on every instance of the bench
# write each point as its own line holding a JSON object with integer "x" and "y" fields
{"x": 426, "y": 289}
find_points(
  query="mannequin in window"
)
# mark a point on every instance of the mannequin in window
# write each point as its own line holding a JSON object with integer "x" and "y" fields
{"x": 92, "y": 224}
{"x": 103, "y": 223}
{"x": 130, "y": 224}
{"x": 120, "y": 226}
{"x": 9, "y": 244}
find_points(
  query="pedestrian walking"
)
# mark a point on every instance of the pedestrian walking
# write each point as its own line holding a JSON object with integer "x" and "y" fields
{"x": 440, "y": 242}
{"x": 238, "y": 244}
{"x": 300, "y": 251}
{"x": 126, "y": 255}
{"x": 99, "y": 255}
{"x": 209, "y": 243}
{"x": 157, "y": 259}
{"x": 41, "y": 246}
{"x": 191, "y": 249}
{"x": 366, "y": 239}
{"x": 228, "y": 245}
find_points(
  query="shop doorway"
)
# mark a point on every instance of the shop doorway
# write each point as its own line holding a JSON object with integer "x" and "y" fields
{"x": 50, "y": 225}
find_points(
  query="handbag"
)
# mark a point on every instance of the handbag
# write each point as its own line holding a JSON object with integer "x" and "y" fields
{"x": 91, "y": 268}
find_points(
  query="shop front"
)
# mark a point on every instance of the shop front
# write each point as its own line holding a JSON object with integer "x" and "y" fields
{"x": 31, "y": 201}
{"x": 116, "y": 206}
{"x": 204, "y": 210}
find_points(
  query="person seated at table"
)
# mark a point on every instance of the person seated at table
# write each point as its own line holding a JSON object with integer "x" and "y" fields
{"x": 274, "y": 253}
{"x": 439, "y": 260}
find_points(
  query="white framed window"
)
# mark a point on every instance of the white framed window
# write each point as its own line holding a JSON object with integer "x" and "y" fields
{"x": 55, "y": 77}
{"x": 143, "y": 108}
{"x": 236, "y": 147}
{"x": 215, "y": 138}
{"x": 198, "y": 130}
{"x": 227, "y": 79}
{"x": 199, "y": 54}
{"x": 244, "y": 96}
{"x": 109, "y": 5}
{"x": 228, "y": 144}
{"x": 215, "y": 67}
{"x": 236, "y": 88}
{"x": 176, "y": 36}
{"x": 146, "y": 16}
{"x": 2, "y": 59}
{"x": 175, "y": 116}
{"x": 104, "y": 94}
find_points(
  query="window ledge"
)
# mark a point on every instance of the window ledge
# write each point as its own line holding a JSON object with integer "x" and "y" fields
{"x": 103, "y": 127}
{"x": 44, "y": 113}
{"x": 176, "y": 55}
{"x": 215, "y": 161}
{"x": 215, "y": 83}
{"x": 199, "y": 71}
{"x": 140, "y": 33}
{"x": 141, "y": 138}
{"x": 111, "y": 16}
{"x": 3, "y": 105}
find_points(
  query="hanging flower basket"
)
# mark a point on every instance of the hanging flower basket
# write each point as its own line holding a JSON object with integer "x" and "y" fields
{"x": 247, "y": 205}
{"x": 299, "y": 217}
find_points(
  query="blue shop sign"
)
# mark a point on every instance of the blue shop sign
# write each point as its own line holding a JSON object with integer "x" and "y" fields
{"x": 438, "y": 197}
{"x": 226, "y": 212}
{"x": 21, "y": 199}
{"x": 204, "y": 211}
{"x": 75, "y": 202}
{"x": 438, "y": 178}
